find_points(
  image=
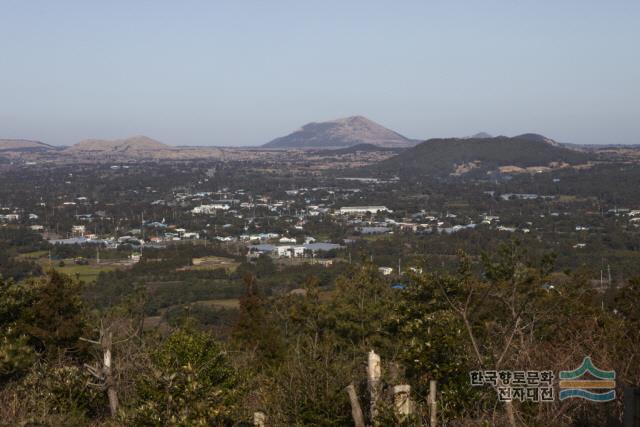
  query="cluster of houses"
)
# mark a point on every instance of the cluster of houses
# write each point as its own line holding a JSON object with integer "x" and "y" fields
{"x": 210, "y": 209}
{"x": 634, "y": 217}
{"x": 291, "y": 251}
{"x": 11, "y": 217}
{"x": 299, "y": 207}
{"x": 363, "y": 210}
{"x": 134, "y": 237}
{"x": 524, "y": 196}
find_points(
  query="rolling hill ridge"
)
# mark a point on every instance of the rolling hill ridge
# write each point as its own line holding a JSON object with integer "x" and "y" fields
{"x": 18, "y": 145}
{"x": 448, "y": 156}
{"x": 131, "y": 145}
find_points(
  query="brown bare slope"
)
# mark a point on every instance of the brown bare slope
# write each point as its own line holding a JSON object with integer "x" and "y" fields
{"x": 23, "y": 145}
{"x": 130, "y": 145}
{"x": 136, "y": 148}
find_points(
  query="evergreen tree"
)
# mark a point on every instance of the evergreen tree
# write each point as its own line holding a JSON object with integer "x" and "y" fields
{"x": 44, "y": 316}
{"x": 360, "y": 309}
{"x": 255, "y": 331}
{"x": 189, "y": 382}
{"x": 56, "y": 319}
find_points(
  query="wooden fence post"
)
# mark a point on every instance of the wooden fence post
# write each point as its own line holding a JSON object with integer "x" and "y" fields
{"x": 374, "y": 373}
{"x": 356, "y": 410}
{"x": 433, "y": 404}
{"x": 402, "y": 401}
{"x": 511, "y": 416}
{"x": 105, "y": 343}
{"x": 259, "y": 419}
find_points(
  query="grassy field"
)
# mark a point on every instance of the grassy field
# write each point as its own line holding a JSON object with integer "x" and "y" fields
{"x": 34, "y": 255}
{"x": 213, "y": 263}
{"x": 222, "y": 303}
{"x": 85, "y": 273}
{"x": 372, "y": 237}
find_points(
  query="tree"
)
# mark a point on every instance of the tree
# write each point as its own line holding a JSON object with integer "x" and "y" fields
{"x": 44, "y": 316}
{"x": 307, "y": 388}
{"x": 306, "y": 313}
{"x": 432, "y": 344}
{"x": 302, "y": 389}
{"x": 360, "y": 308}
{"x": 450, "y": 324}
{"x": 16, "y": 355}
{"x": 255, "y": 332}
{"x": 56, "y": 318}
{"x": 189, "y": 381}
{"x": 626, "y": 301}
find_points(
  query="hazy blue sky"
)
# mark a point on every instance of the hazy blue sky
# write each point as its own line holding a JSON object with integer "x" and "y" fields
{"x": 243, "y": 72}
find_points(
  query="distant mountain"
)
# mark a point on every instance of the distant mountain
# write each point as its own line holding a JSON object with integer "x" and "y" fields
{"x": 18, "y": 145}
{"x": 135, "y": 149}
{"x": 461, "y": 155}
{"x": 341, "y": 133}
{"x": 537, "y": 138}
{"x": 130, "y": 145}
{"x": 479, "y": 135}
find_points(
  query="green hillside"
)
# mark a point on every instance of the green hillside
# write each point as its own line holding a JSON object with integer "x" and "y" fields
{"x": 440, "y": 156}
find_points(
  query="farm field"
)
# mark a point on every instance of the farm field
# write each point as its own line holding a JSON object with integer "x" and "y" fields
{"x": 212, "y": 263}
{"x": 86, "y": 273}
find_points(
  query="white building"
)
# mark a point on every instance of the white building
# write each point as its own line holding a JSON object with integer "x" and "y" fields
{"x": 363, "y": 209}
{"x": 259, "y": 237}
{"x": 385, "y": 271}
{"x": 290, "y": 251}
{"x": 488, "y": 219}
{"x": 210, "y": 209}
{"x": 78, "y": 229}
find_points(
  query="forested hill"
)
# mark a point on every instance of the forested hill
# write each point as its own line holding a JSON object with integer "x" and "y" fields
{"x": 444, "y": 156}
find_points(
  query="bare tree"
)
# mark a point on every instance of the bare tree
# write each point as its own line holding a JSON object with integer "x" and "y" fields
{"x": 103, "y": 370}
